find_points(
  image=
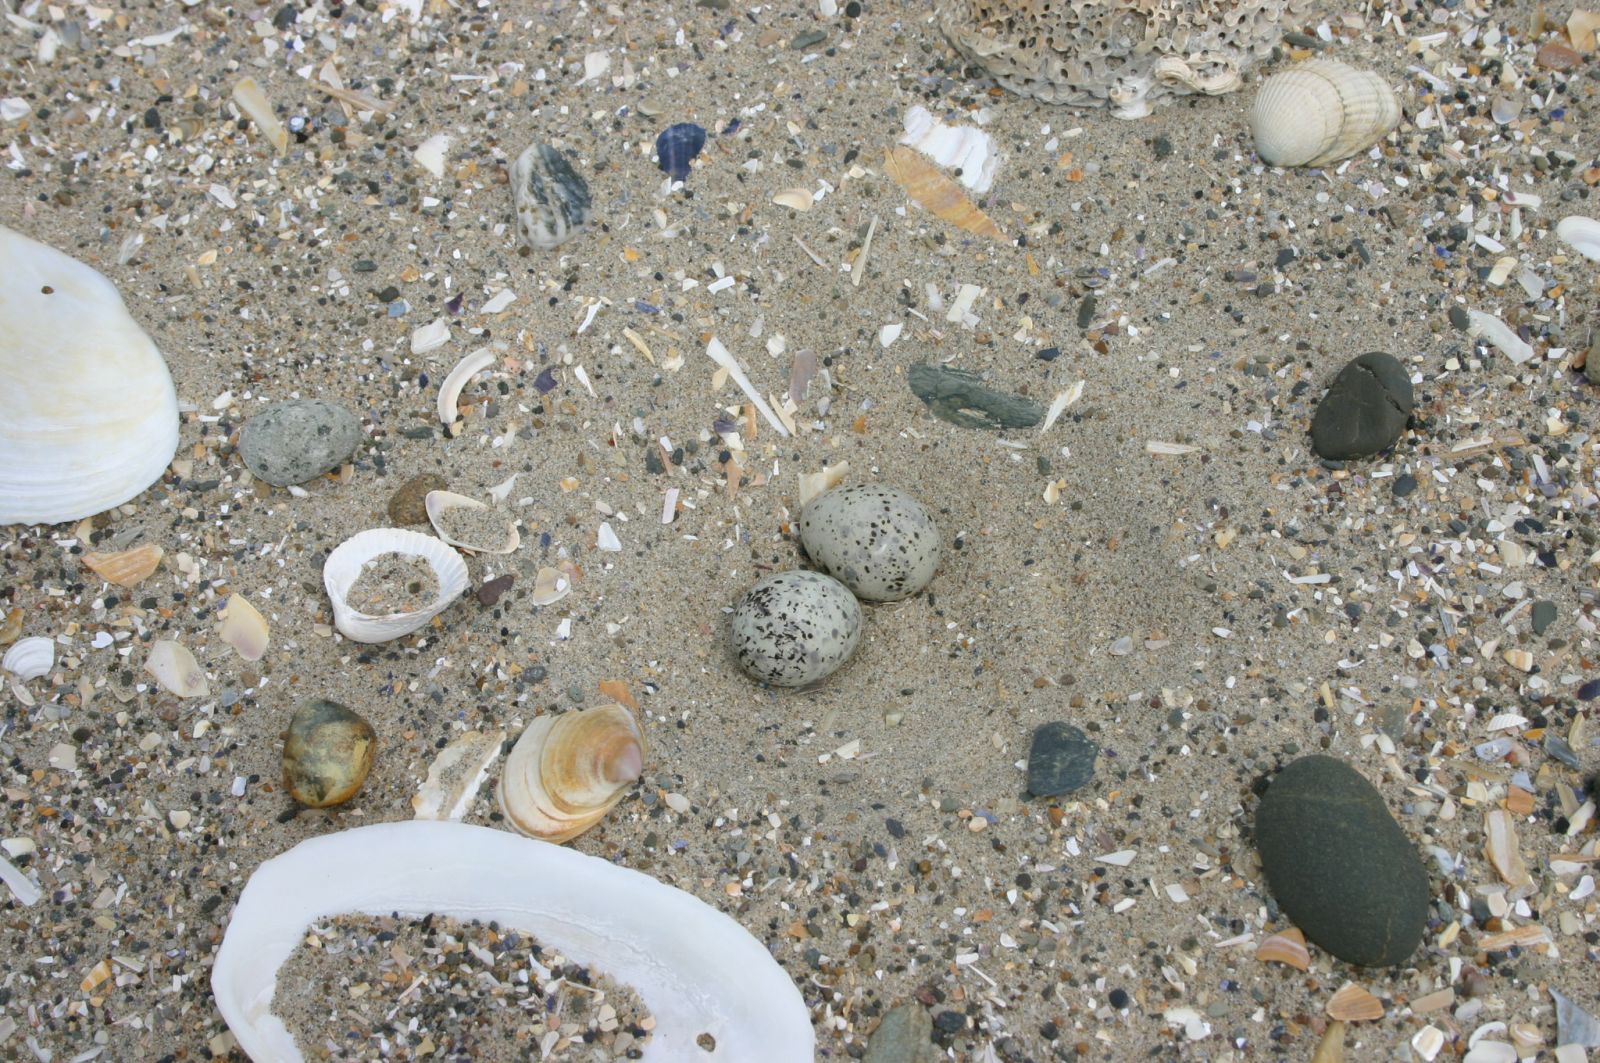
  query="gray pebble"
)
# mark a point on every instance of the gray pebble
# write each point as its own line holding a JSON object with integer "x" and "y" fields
{"x": 1060, "y": 760}
{"x": 299, "y": 440}
{"x": 1544, "y": 614}
{"x": 1365, "y": 409}
{"x": 904, "y": 1036}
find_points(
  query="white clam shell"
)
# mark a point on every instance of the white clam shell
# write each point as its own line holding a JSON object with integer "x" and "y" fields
{"x": 1320, "y": 112}
{"x": 88, "y": 414}
{"x": 344, "y": 565}
{"x": 697, "y": 971}
{"x": 1581, "y": 234}
{"x": 30, "y": 658}
{"x": 244, "y": 628}
{"x": 437, "y": 502}
{"x": 469, "y": 367}
{"x": 175, "y": 668}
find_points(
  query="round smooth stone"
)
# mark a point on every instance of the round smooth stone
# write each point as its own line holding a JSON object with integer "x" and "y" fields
{"x": 1339, "y": 865}
{"x": 878, "y": 541}
{"x": 409, "y": 504}
{"x": 1365, "y": 409}
{"x": 794, "y": 628}
{"x": 299, "y": 440}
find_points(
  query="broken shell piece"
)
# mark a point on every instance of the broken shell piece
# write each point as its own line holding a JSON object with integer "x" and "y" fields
{"x": 30, "y": 658}
{"x": 24, "y": 889}
{"x": 703, "y": 977}
{"x": 550, "y": 586}
{"x": 465, "y": 370}
{"x": 1497, "y": 332}
{"x": 1286, "y": 946}
{"x": 1321, "y": 112}
{"x": 1581, "y": 234}
{"x": 1501, "y": 848}
{"x": 813, "y": 484}
{"x": 244, "y": 628}
{"x": 327, "y": 753}
{"x": 344, "y": 567}
{"x": 794, "y": 198}
{"x": 568, "y": 771}
{"x": 126, "y": 568}
{"x": 440, "y": 502}
{"x": 966, "y": 149}
{"x": 551, "y": 201}
{"x": 456, "y": 775}
{"x": 432, "y": 153}
{"x": 175, "y": 668}
{"x": 1352, "y": 1003}
{"x": 258, "y": 108}
{"x": 938, "y": 194}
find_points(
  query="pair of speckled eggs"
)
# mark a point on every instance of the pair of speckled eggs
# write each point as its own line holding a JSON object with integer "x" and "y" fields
{"x": 872, "y": 543}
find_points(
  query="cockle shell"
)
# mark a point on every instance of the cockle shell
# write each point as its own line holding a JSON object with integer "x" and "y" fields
{"x": 175, "y": 668}
{"x": 568, "y": 771}
{"x": 704, "y": 979}
{"x": 88, "y": 414}
{"x": 1320, "y": 112}
{"x": 30, "y": 658}
{"x": 125, "y": 568}
{"x": 552, "y": 202}
{"x": 344, "y": 565}
{"x": 438, "y": 501}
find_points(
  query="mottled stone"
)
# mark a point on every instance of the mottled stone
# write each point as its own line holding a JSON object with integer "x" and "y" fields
{"x": 551, "y": 201}
{"x": 1365, "y": 409}
{"x": 408, "y": 505}
{"x": 904, "y": 1036}
{"x": 1060, "y": 760}
{"x": 960, "y": 397}
{"x": 299, "y": 440}
{"x": 1339, "y": 865}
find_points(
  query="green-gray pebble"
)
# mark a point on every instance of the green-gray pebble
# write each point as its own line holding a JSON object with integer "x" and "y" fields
{"x": 1544, "y": 614}
{"x": 1365, "y": 409}
{"x": 904, "y": 1036}
{"x": 299, "y": 440}
{"x": 959, "y": 396}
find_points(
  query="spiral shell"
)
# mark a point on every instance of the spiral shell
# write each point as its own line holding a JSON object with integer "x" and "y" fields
{"x": 344, "y": 565}
{"x": 1320, "y": 112}
{"x": 568, "y": 771}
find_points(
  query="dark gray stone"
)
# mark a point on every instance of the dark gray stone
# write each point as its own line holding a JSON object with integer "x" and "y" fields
{"x": 1544, "y": 614}
{"x": 1060, "y": 760}
{"x": 1365, "y": 409}
{"x": 959, "y": 396}
{"x": 299, "y": 440}
{"x": 1339, "y": 865}
{"x": 904, "y": 1036}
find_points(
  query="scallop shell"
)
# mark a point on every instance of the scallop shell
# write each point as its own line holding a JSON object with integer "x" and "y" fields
{"x": 30, "y": 658}
{"x": 125, "y": 568}
{"x": 88, "y": 415}
{"x": 244, "y": 628}
{"x": 344, "y": 565}
{"x": 1320, "y": 112}
{"x": 705, "y": 979}
{"x": 567, "y": 771}
{"x": 439, "y": 501}
{"x": 551, "y": 201}
{"x": 175, "y": 668}
{"x": 1352, "y": 1003}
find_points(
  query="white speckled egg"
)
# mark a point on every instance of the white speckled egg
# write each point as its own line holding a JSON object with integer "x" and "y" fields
{"x": 794, "y": 628}
{"x": 879, "y": 542}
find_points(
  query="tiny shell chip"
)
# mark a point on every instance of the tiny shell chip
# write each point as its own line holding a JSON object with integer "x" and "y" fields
{"x": 795, "y": 628}
{"x": 126, "y": 568}
{"x": 244, "y": 628}
{"x": 552, "y": 202}
{"x": 175, "y": 668}
{"x": 878, "y": 541}
{"x": 677, "y": 147}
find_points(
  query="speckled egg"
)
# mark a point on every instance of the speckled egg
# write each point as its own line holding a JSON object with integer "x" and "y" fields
{"x": 879, "y": 542}
{"x": 794, "y": 628}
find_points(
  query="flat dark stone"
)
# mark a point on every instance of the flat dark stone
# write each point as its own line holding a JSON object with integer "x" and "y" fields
{"x": 1339, "y": 865}
{"x": 959, "y": 396}
{"x": 1544, "y": 614}
{"x": 1365, "y": 409}
{"x": 491, "y": 591}
{"x": 1060, "y": 760}
{"x": 299, "y": 440}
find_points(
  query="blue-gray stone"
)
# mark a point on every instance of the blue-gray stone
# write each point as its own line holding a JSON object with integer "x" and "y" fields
{"x": 1060, "y": 760}
{"x": 299, "y": 440}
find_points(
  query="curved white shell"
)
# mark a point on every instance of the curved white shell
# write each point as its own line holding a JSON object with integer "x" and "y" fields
{"x": 437, "y": 502}
{"x": 175, "y": 668}
{"x": 88, "y": 415}
{"x": 469, "y": 367}
{"x": 1581, "y": 234}
{"x": 344, "y": 565}
{"x": 697, "y": 971}
{"x": 1320, "y": 112}
{"x": 30, "y": 658}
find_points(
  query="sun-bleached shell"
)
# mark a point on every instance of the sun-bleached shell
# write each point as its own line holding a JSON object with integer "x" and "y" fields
{"x": 344, "y": 565}
{"x": 30, "y": 658}
{"x": 253, "y": 101}
{"x": 794, "y": 198}
{"x": 1502, "y": 848}
{"x": 1581, "y": 234}
{"x": 566, "y": 772}
{"x": 1287, "y": 946}
{"x": 697, "y": 971}
{"x": 175, "y": 668}
{"x": 125, "y": 568}
{"x": 550, "y": 586}
{"x": 1320, "y": 112}
{"x": 244, "y": 628}
{"x": 465, "y": 370}
{"x": 1498, "y": 333}
{"x": 88, "y": 414}
{"x": 437, "y": 502}
{"x": 958, "y": 147}
{"x": 456, "y": 775}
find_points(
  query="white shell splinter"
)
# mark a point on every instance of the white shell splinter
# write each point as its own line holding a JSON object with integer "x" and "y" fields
{"x": 697, "y": 971}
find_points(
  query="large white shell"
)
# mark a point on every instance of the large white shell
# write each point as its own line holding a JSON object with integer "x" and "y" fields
{"x": 697, "y": 971}
{"x": 88, "y": 415}
{"x": 344, "y": 565}
{"x": 1320, "y": 112}
{"x": 30, "y": 658}
{"x": 1581, "y": 234}
{"x": 437, "y": 502}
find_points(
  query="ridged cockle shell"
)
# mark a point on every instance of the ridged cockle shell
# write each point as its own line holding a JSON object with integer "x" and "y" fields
{"x": 1320, "y": 112}
{"x": 568, "y": 771}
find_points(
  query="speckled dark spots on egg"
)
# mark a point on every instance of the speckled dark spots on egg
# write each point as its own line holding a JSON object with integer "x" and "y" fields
{"x": 795, "y": 628}
{"x": 880, "y": 542}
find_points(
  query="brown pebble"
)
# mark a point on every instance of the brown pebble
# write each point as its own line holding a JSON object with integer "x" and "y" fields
{"x": 490, "y": 592}
{"x": 1553, "y": 55}
{"x": 408, "y": 505}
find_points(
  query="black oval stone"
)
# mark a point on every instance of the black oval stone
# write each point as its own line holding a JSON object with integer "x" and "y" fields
{"x": 1365, "y": 409}
{"x": 1339, "y": 865}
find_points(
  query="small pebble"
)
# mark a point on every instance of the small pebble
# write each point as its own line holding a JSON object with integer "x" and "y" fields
{"x": 1365, "y": 409}
{"x": 1060, "y": 760}
{"x": 408, "y": 505}
{"x": 299, "y": 440}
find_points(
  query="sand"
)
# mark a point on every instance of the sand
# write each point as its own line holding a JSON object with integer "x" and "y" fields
{"x": 872, "y": 832}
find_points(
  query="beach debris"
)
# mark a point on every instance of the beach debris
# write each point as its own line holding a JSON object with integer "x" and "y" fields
{"x": 676, "y": 148}
{"x": 1330, "y": 1047}
{"x": 433, "y": 335}
{"x": 1498, "y": 333}
{"x": 1320, "y": 112}
{"x": 858, "y": 268}
{"x": 879, "y": 541}
{"x": 1339, "y": 865}
{"x": 327, "y": 753}
{"x": 125, "y": 568}
{"x": 550, "y": 586}
{"x": 1063, "y": 401}
{"x": 456, "y": 380}
{"x": 11, "y": 626}
{"x": 551, "y": 201}
{"x": 1287, "y": 946}
{"x": 715, "y": 992}
{"x": 1163, "y": 449}
{"x": 1427, "y": 1043}
{"x": 469, "y": 524}
{"x": 966, "y": 149}
{"x": 1581, "y": 234}
{"x": 903, "y": 1035}
{"x": 1502, "y": 850}
{"x": 792, "y": 629}
{"x": 244, "y": 628}
{"x": 567, "y": 771}
{"x": 1365, "y": 410}
{"x": 1060, "y": 759}
{"x": 253, "y": 102}
{"x": 960, "y": 397}
{"x": 88, "y": 414}
{"x": 431, "y": 154}
{"x": 409, "y": 504}
{"x": 176, "y": 670}
{"x": 457, "y": 774}
{"x": 1352, "y": 1003}
{"x": 350, "y": 561}
{"x": 30, "y": 658}
{"x": 24, "y": 890}
{"x": 1574, "y": 1026}
{"x": 298, "y": 440}
{"x": 812, "y": 484}
{"x": 719, "y": 354}
{"x": 938, "y": 194}
{"x": 797, "y": 199}
{"x": 1581, "y": 29}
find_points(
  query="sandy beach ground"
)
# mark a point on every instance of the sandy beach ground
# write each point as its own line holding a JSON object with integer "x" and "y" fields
{"x": 1205, "y": 617}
